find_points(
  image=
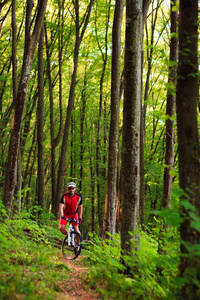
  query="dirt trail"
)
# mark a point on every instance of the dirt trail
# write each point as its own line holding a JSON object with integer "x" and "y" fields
{"x": 76, "y": 289}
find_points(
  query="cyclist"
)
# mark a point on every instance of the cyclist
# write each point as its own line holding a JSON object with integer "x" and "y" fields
{"x": 70, "y": 207}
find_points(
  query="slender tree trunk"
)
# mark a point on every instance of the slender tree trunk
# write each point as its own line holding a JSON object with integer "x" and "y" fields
{"x": 53, "y": 162}
{"x": 30, "y": 172}
{"x": 142, "y": 136}
{"x": 170, "y": 112}
{"x": 169, "y": 136}
{"x": 40, "y": 123}
{"x": 92, "y": 195}
{"x": 17, "y": 193}
{"x": 30, "y": 106}
{"x": 60, "y": 58}
{"x": 17, "y": 202}
{"x": 111, "y": 199}
{"x": 119, "y": 204}
{"x": 188, "y": 142}
{"x": 72, "y": 162}
{"x": 29, "y": 50}
{"x": 82, "y": 118}
{"x": 130, "y": 169}
{"x": 14, "y": 50}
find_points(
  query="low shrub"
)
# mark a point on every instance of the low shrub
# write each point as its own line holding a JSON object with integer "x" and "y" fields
{"x": 107, "y": 274}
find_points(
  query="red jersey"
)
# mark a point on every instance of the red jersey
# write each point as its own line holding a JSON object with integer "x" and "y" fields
{"x": 71, "y": 204}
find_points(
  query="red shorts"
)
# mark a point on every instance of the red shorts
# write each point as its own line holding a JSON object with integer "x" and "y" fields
{"x": 72, "y": 216}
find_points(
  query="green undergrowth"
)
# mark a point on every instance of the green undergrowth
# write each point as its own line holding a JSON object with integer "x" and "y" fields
{"x": 106, "y": 273}
{"x": 152, "y": 274}
{"x": 30, "y": 267}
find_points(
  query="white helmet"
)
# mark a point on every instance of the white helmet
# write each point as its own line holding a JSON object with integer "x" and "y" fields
{"x": 71, "y": 184}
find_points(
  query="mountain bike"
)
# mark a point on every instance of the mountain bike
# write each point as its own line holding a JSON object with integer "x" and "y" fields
{"x": 71, "y": 244}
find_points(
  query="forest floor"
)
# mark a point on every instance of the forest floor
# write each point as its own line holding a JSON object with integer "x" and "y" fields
{"x": 76, "y": 288}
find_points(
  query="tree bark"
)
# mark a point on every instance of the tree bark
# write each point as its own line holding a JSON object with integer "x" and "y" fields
{"x": 142, "y": 136}
{"x": 29, "y": 50}
{"x": 40, "y": 123}
{"x": 130, "y": 169}
{"x": 30, "y": 107}
{"x": 170, "y": 112}
{"x": 14, "y": 50}
{"x": 82, "y": 119}
{"x": 92, "y": 184}
{"x": 17, "y": 202}
{"x": 169, "y": 124}
{"x": 188, "y": 141}
{"x": 111, "y": 195}
{"x": 52, "y": 134}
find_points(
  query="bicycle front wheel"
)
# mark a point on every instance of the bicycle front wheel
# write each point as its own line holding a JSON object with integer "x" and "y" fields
{"x": 72, "y": 250}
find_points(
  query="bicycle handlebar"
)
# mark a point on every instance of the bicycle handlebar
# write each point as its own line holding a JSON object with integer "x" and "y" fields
{"x": 70, "y": 220}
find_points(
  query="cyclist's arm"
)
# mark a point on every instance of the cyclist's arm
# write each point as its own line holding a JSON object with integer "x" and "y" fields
{"x": 61, "y": 209}
{"x": 80, "y": 211}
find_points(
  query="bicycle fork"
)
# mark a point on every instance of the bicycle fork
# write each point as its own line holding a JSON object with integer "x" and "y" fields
{"x": 71, "y": 237}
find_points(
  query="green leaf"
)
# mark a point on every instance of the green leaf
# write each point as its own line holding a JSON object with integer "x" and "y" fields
{"x": 195, "y": 225}
{"x": 174, "y": 8}
{"x": 187, "y": 205}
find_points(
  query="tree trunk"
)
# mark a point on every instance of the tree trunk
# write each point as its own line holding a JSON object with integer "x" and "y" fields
{"x": 142, "y": 136}
{"x": 14, "y": 50}
{"x": 130, "y": 169}
{"x": 188, "y": 143}
{"x": 111, "y": 195}
{"x": 170, "y": 111}
{"x": 92, "y": 184}
{"x": 17, "y": 201}
{"x": 40, "y": 123}
{"x": 53, "y": 162}
{"x": 72, "y": 162}
{"x": 82, "y": 118}
{"x": 169, "y": 124}
{"x": 29, "y": 50}
{"x": 30, "y": 107}
{"x": 154, "y": 16}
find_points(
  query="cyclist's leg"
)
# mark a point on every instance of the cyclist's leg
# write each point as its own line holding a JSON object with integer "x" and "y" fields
{"x": 76, "y": 227}
{"x": 62, "y": 225}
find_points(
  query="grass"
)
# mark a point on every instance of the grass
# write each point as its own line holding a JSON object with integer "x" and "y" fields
{"x": 30, "y": 268}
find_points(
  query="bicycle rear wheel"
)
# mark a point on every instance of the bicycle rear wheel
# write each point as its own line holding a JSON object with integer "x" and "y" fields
{"x": 73, "y": 250}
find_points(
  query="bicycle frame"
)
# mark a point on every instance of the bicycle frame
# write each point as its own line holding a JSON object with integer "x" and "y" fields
{"x": 70, "y": 238}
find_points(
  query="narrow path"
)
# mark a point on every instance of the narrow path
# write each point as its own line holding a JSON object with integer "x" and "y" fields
{"x": 76, "y": 288}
